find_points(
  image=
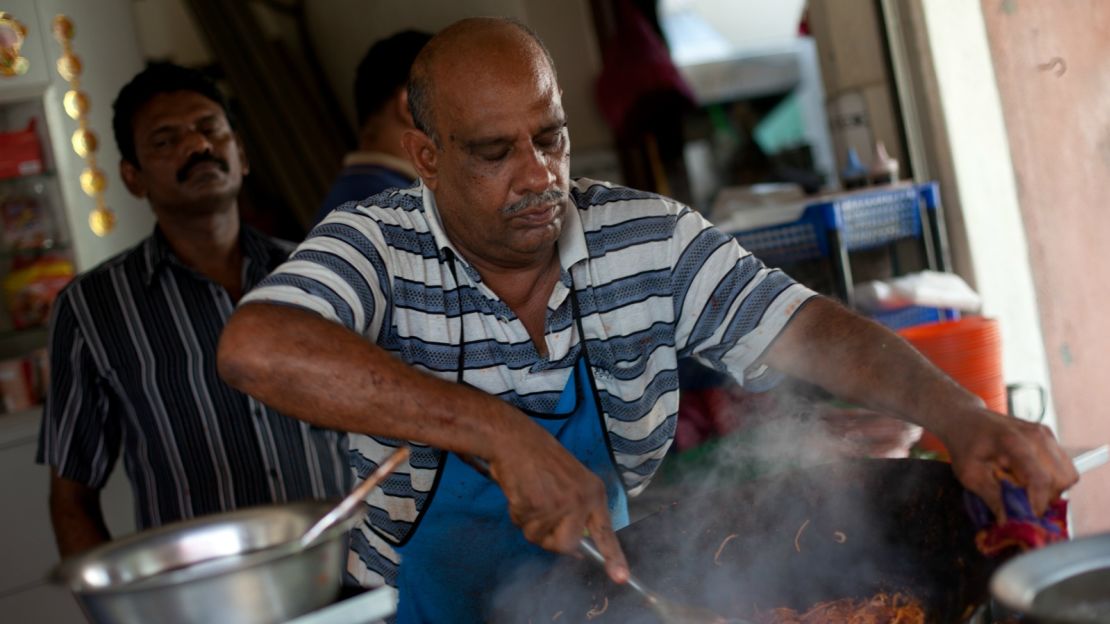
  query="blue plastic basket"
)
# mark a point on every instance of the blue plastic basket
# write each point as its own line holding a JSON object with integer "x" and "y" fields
{"x": 864, "y": 219}
{"x": 871, "y": 219}
{"x": 912, "y": 316}
{"x": 804, "y": 239}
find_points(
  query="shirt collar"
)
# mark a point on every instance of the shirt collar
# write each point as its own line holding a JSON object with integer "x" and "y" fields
{"x": 260, "y": 253}
{"x": 572, "y": 240}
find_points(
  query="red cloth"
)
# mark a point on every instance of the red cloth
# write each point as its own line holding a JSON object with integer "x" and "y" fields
{"x": 702, "y": 415}
{"x": 638, "y": 78}
{"x": 1022, "y": 529}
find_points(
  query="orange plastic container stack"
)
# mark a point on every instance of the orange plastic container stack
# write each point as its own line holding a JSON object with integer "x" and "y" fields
{"x": 970, "y": 351}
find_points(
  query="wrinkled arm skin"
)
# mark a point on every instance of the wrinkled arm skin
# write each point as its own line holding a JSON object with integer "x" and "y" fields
{"x": 307, "y": 367}
{"x": 76, "y": 516}
{"x": 860, "y": 361}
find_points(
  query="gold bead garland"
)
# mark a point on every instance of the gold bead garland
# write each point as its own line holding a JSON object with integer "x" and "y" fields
{"x": 76, "y": 103}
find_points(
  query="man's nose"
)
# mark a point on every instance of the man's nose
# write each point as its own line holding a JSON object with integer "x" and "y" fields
{"x": 195, "y": 142}
{"x": 536, "y": 175}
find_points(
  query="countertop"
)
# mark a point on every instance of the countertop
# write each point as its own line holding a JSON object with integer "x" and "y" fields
{"x": 366, "y": 608}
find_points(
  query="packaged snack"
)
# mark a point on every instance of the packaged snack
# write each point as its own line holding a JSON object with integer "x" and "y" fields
{"x": 16, "y": 385}
{"x": 26, "y": 222}
{"x": 20, "y": 152}
{"x": 32, "y": 285}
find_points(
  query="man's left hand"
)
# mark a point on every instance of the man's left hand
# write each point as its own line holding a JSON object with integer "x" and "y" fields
{"x": 983, "y": 444}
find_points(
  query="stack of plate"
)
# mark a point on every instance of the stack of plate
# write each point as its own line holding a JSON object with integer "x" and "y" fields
{"x": 970, "y": 351}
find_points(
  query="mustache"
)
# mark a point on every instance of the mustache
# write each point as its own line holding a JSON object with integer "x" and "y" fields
{"x": 197, "y": 159}
{"x": 534, "y": 199}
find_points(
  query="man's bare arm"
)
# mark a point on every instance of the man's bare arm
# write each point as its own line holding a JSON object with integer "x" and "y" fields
{"x": 76, "y": 515}
{"x": 861, "y": 361}
{"x": 318, "y": 371}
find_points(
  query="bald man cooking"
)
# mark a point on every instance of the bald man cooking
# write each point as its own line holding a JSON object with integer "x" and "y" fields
{"x": 503, "y": 311}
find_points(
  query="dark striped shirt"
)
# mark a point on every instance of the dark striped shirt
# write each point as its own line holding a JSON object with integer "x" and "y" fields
{"x": 133, "y": 361}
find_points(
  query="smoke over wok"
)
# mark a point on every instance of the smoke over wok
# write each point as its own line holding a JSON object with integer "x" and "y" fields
{"x": 776, "y": 516}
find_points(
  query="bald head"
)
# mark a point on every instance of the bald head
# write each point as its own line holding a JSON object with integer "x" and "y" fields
{"x": 469, "y": 48}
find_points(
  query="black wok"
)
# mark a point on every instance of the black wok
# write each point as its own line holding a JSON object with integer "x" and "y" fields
{"x": 849, "y": 529}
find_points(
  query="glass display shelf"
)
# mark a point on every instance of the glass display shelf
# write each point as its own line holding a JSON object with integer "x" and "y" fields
{"x": 42, "y": 176}
{"x": 49, "y": 246}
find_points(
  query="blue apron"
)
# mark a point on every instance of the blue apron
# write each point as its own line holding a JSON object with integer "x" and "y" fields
{"x": 465, "y": 546}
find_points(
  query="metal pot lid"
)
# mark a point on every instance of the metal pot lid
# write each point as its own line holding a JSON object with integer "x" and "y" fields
{"x": 1017, "y": 584}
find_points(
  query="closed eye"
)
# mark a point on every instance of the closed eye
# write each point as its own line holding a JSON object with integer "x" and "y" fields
{"x": 550, "y": 144}
{"x": 492, "y": 154}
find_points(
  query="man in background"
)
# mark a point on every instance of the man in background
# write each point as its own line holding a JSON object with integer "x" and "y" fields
{"x": 382, "y": 105}
{"x": 133, "y": 341}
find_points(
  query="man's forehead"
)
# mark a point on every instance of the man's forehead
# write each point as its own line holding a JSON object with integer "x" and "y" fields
{"x": 502, "y": 88}
{"x": 174, "y": 107}
{"x": 510, "y": 129}
{"x": 490, "y": 115}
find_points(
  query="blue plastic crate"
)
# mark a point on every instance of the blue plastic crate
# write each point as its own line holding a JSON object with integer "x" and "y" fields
{"x": 869, "y": 219}
{"x": 799, "y": 240}
{"x": 864, "y": 219}
{"x": 911, "y": 316}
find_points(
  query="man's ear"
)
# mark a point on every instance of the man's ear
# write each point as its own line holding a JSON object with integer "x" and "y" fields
{"x": 423, "y": 155}
{"x": 243, "y": 162}
{"x": 132, "y": 179}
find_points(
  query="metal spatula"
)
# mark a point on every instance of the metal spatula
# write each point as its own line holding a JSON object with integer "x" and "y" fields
{"x": 669, "y": 612}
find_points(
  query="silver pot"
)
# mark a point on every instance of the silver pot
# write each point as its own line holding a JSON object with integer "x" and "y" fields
{"x": 1065, "y": 583}
{"x": 245, "y": 566}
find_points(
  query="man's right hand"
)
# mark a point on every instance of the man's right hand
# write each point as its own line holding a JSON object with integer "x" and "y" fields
{"x": 76, "y": 516}
{"x": 554, "y": 499}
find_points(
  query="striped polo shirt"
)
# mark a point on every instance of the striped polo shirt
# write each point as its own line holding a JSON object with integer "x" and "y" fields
{"x": 654, "y": 282}
{"x": 133, "y": 369}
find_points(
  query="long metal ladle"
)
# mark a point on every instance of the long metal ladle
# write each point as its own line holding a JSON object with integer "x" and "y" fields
{"x": 347, "y": 507}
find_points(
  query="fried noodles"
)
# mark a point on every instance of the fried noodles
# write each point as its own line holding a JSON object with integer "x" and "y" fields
{"x": 882, "y": 608}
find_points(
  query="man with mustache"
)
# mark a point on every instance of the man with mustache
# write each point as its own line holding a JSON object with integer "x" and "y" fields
{"x": 133, "y": 341}
{"x": 503, "y": 311}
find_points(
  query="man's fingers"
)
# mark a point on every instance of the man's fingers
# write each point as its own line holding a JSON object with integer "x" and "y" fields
{"x": 1043, "y": 468}
{"x": 554, "y": 534}
{"x": 601, "y": 530}
{"x": 1038, "y": 486}
{"x": 1066, "y": 475}
{"x": 981, "y": 481}
{"x": 564, "y": 538}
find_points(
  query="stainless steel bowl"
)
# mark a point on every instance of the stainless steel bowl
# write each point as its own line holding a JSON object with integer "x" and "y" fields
{"x": 1065, "y": 583}
{"x": 244, "y": 566}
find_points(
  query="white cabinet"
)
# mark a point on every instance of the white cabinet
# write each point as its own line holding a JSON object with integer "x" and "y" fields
{"x": 25, "y": 522}
{"x": 28, "y": 550}
{"x": 40, "y": 604}
{"x": 106, "y": 44}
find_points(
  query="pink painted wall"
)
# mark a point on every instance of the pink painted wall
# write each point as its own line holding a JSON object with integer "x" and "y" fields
{"x": 1052, "y": 61}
